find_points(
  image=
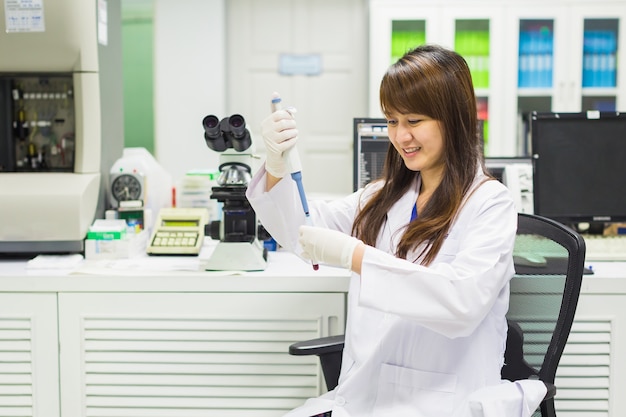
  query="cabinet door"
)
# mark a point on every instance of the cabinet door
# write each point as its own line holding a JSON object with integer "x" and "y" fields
{"x": 599, "y": 61}
{"x": 474, "y": 32}
{"x": 395, "y": 27}
{"x": 534, "y": 63}
{"x": 590, "y": 378}
{"x": 221, "y": 354}
{"x": 29, "y": 362}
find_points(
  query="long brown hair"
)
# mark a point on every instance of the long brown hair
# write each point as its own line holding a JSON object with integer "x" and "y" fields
{"x": 435, "y": 82}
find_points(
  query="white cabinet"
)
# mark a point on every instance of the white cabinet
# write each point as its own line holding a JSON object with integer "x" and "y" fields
{"x": 525, "y": 56}
{"x": 191, "y": 354}
{"x": 175, "y": 343}
{"x": 29, "y": 361}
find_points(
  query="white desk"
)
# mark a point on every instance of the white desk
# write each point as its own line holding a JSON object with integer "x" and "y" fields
{"x": 284, "y": 273}
{"x": 138, "y": 339}
{"x": 138, "y": 336}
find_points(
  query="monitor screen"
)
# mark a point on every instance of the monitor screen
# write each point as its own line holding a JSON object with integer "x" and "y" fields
{"x": 370, "y": 150}
{"x": 579, "y": 166}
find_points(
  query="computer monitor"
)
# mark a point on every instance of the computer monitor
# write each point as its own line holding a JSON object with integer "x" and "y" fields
{"x": 370, "y": 149}
{"x": 579, "y": 167}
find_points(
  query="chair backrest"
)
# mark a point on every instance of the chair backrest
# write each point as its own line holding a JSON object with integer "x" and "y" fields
{"x": 549, "y": 262}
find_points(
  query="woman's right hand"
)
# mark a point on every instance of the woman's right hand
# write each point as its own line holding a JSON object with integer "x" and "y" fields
{"x": 330, "y": 247}
{"x": 279, "y": 134}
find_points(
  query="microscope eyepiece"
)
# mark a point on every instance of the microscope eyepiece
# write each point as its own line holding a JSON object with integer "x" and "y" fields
{"x": 237, "y": 122}
{"x": 240, "y": 135}
{"x": 211, "y": 125}
{"x": 213, "y": 134}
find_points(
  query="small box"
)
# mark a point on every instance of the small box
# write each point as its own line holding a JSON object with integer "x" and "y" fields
{"x": 132, "y": 246}
{"x": 107, "y": 229}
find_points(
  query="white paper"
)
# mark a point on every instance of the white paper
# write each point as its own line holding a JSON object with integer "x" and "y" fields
{"x": 54, "y": 262}
{"x": 24, "y": 16}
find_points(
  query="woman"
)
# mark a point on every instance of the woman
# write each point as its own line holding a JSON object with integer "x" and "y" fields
{"x": 430, "y": 246}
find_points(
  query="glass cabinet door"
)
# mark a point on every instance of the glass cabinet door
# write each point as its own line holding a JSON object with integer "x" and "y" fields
{"x": 533, "y": 64}
{"x": 396, "y": 27}
{"x": 473, "y": 33}
{"x": 406, "y": 34}
{"x": 600, "y": 55}
{"x": 535, "y": 54}
{"x": 599, "y": 64}
{"x": 535, "y": 80}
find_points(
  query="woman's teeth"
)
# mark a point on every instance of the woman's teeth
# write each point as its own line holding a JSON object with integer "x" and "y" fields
{"x": 411, "y": 150}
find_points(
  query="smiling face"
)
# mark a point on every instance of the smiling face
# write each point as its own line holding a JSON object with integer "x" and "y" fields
{"x": 428, "y": 97}
{"x": 419, "y": 141}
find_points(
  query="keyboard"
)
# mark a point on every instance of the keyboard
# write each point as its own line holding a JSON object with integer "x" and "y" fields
{"x": 533, "y": 244}
{"x": 605, "y": 248}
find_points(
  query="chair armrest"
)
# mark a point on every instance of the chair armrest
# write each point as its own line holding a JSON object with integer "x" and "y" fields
{"x": 321, "y": 346}
{"x": 329, "y": 350}
{"x": 551, "y": 391}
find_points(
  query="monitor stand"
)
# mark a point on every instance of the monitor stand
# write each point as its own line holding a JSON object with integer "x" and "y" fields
{"x": 590, "y": 228}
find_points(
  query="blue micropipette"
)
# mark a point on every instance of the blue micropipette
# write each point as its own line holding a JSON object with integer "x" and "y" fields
{"x": 295, "y": 168}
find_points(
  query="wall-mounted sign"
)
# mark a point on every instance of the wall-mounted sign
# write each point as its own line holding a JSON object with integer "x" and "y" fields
{"x": 300, "y": 64}
{"x": 24, "y": 16}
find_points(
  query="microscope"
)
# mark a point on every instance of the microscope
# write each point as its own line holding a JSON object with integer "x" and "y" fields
{"x": 239, "y": 247}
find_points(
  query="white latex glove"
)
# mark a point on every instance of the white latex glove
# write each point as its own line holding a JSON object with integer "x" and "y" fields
{"x": 279, "y": 134}
{"x": 327, "y": 246}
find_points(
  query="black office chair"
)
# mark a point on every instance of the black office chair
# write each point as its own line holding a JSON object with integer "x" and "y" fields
{"x": 549, "y": 262}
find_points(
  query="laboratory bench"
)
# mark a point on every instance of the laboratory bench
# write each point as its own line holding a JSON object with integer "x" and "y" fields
{"x": 159, "y": 336}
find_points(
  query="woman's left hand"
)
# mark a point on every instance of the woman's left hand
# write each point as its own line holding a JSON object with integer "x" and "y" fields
{"x": 327, "y": 246}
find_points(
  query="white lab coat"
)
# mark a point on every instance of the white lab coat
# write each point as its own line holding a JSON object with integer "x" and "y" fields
{"x": 420, "y": 341}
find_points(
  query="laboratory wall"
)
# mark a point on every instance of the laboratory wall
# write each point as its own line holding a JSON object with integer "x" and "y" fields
{"x": 189, "y": 73}
{"x": 137, "y": 52}
{"x": 174, "y": 74}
